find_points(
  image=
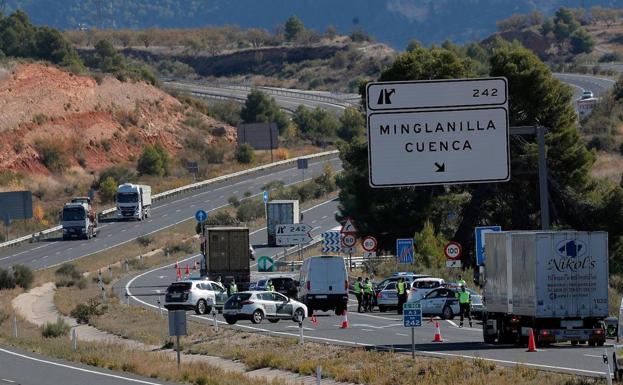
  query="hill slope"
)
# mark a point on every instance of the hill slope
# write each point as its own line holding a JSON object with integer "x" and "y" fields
{"x": 392, "y": 21}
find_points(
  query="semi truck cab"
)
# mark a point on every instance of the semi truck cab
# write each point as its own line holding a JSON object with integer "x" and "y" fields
{"x": 77, "y": 221}
{"x": 133, "y": 201}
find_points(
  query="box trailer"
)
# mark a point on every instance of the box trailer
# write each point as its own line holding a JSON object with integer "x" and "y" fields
{"x": 226, "y": 254}
{"x": 553, "y": 282}
{"x": 279, "y": 212}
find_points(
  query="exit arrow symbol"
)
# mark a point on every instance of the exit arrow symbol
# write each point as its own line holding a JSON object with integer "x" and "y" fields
{"x": 440, "y": 167}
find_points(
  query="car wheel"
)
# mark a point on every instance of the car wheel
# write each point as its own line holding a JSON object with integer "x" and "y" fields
{"x": 257, "y": 317}
{"x": 447, "y": 313}
{"x": 230, "y": 320}
{"x": 382, "y": 309}
{"x": 299, "y": 314}
{"x": 201, "y": 307}
{"x": 273, "y": 320}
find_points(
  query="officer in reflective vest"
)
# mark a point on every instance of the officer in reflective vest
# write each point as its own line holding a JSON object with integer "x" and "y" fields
{"x": 465, "y": 300}
{"x": 269, "y": 285}
{"x": 232, "y": 288}
{"x": 367, "y": 291}
{"x": 358, "y": 288}
{"x": 401, "y": 289}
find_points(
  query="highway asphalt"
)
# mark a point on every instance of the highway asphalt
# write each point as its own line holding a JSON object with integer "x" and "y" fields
{"x": 579, "y": 83}
{"x": 27, "y": 368}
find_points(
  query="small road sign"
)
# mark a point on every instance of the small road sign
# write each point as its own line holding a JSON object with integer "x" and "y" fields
{"x": 265, "y": 264}
{"x": 348, "y": 250}
{"x": 369, "y": 254}
{"x": 453, "y": 250}
{"x": 293, "y": 229}
{"x": 285, "y": 240}
{"x": 201, "y": 216}
{"x": 404, "y": 250}
{"x": 348, "y": 227}
{"x": 369, "y": 243}
{"x": 265, "y": 196}
{"x": 412, "y": 315}
{"x": 448, "y": 131}
{"x": 480, "y": 242}
{"x": 451, "y": 263}
{"x": 177, "y": 323}
{"x": 349, "y": 240}
{"x": 301, "y": 164}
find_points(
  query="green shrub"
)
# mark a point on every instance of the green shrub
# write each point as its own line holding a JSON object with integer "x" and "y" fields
{"x": 7, "y": 280}
{"x": 108, "y": 190}
{"x": 24, "y": 277}
{"x": 214, "y": 154}
{"x": 179, "y": 246}
{"x": 234, "y": 201}
{"x": 69, "y": 276}
{"x": 53, "y": 154}
{"x": 68, "y": 270}
{"x": 144, "y": 240}
{"x": 601, "y": 143}
{"x": 57, "y": 329}
{"x": 245, "y": 153}
{"x": 84, "y": 312}
{"x": 249, "y": 210}
{"x": 153, "y": 161}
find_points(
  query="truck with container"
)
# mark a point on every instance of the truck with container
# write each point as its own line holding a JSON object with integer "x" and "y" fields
{"x": 79, "y": 220}
{"x": 133, "y": 201}
{"x": 553, "y": 282}
{"x": 226, "y": 255}
{"x": 279, "y": 212}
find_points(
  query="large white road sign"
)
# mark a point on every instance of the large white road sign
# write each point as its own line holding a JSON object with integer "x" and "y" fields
{"x": 427, "y": 145}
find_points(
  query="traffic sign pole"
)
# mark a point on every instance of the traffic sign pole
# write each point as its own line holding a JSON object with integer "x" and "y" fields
{"x": 413, "y": 343}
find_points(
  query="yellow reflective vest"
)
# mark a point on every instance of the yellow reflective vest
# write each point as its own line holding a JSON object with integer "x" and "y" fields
{"x": 401, "y": 287}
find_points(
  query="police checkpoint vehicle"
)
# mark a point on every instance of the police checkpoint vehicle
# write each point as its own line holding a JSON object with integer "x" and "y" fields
{"x": 200, "y": 295}
{"x": 444, "y": 302}
{"x": 259, "y": 305}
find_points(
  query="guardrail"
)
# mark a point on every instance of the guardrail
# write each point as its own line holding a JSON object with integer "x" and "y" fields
{"x": 355, "y": 262}
{"x": 35, "y": 237}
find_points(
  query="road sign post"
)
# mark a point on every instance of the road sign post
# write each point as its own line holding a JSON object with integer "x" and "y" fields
{"x": 412, "y": 317}
{"x": 177, "y": 328}
{"x": 201, "y": 216}
{"x": 265, "y": 198}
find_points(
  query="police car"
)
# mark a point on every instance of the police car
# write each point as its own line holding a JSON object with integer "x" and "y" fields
{"x": 259, "y": 305}
{"x": 444, "y": 302}
{"x": 200, "y": 295}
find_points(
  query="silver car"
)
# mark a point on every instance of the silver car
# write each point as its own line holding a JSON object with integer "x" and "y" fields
{"x": 200, "y": 295}
{"x": 259, "y": 305}
{"x": 444, "y": 302}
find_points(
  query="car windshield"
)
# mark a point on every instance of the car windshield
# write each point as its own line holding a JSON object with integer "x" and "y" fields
{"x": 127, "y": 197}
{"x": 179, "y": 287}
{"x": 73, "y": 214}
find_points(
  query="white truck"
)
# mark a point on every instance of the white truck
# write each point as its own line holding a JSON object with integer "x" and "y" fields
{"x": 78, "y": 220}
{"x": 133, "y": 201}
{"x": 554, "y": 282}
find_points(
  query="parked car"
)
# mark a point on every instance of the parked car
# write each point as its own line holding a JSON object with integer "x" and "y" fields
{"x": 283, "y": 284}
{"x": 408, "y": 277}
{"x": 444, "y": 302}
{"x": 259, "y": 305}
{"x": 387, "y": 297}
{"x": 422, "y": 286}
{"x": 323, "y": 284}
{"x": 200, "y": 295}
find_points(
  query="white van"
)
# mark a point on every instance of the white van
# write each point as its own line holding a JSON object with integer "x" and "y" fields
{"x": 324, "y": 284}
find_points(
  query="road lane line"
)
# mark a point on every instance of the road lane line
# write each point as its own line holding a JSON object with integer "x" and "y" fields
{"x": 403, "y": 335}
{"x": 452, "y": 323}
{"x": 78, "y": 369}
{"x": 5, "y": 380}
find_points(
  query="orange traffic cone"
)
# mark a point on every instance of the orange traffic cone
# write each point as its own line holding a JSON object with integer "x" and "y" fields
{"x": 437, "y": 333}
{"x": 531, "y": 342}
{"x": 314, "y": 321}
{"x": 187, "y": 270}
{"x": 179, "y": 273}
{"x": 344, "y": 321}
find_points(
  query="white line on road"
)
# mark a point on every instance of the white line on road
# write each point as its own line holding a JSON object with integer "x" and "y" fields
{"x": 366, "y": 330}
{"x": 304, "y": 328}
{"x": 403, "y": 335}
{"x": 5, "y": 380}
{"x": 178, "y": 210}
{"x": 452, "y": 323}
{"x": 590, "y": 355}
{"x": 325, "y": 217}
{"x": 77, "y": 368}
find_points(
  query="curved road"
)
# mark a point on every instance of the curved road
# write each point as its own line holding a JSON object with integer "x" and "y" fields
{"x": 579, "y": 83}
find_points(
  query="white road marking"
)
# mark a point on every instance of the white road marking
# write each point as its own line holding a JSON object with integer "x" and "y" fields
{"x": 314, "y": 221}
{"x": 366, "y": 330}
{"x": 149, "y": 221}
{"x": 58, "y": 252}
{"x": 403, "y": 335}
{"x": 46, "y": 256}
{"x": 178, "y": 210}
{"x": 452, "y": 323}
{"x": 588, "y": 355}
{"x": 123, "y": 230}
{"x": 304, "y": 328}
{"x": 77, "y": 368}
{"x": 5, "y": 380}
{"x": 325, "y": 217}
{"x": 109, "y": 235}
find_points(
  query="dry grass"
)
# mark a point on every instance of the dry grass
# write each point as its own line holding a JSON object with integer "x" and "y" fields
{"x": 608, "y": 166}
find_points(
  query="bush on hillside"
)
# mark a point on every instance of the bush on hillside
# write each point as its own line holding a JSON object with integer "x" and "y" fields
{"x": 154, "y": 160}
{"x": 84, "y": 312}
{"x": 56, "y": 329}
{"x": 53, "y": 154}
{"x": 249, "y": 210}
{"x": 245, "y": 153}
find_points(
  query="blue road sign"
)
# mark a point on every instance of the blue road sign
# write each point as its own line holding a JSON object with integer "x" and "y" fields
{"x": 405, "y": 250}
{"x": 480, "y": 242}
{"x": 412, "y": 315}
{"x": 265, "y": 196}
{"x": 201, "y": 216}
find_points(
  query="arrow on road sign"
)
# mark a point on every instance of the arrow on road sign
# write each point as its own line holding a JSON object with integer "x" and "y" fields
{"x": 348, "y": 227}
{"x": 265, "y": 264}
{"x": 284, "y": 240}
{"x": 293, "y": 229}
{"x": 440, "y": 167}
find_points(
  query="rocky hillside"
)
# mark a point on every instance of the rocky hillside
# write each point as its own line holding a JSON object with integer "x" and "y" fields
{"x": 89, "y": 123}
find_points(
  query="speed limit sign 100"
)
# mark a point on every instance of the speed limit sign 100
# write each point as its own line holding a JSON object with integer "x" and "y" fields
{"x": 453, "y": 250}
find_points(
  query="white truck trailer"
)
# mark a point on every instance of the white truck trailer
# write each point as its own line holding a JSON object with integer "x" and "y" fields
{"x": 133, "y": 201}
{"x": 554, "y": 282}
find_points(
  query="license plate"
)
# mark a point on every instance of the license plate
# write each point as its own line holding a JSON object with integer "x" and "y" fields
{"x": 321, "y": 296}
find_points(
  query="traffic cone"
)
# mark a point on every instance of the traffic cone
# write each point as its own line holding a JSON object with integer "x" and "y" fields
{"x": 187, "y": 270}
{"x": 437, "y": 333}
{"x": 314, "y": 321}
{"x": 179, "y": 273}
{"x": 344, "y": 321}
{"x": 531, "y": 342}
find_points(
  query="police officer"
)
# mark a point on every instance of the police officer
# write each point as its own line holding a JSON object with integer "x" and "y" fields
{"x": 232, "y": 288}
{"x": 460, "y": 281}
{"x": 465, "y": 300}
{"x": 401, "y": 288}
{"x": 358, "y": 288}
{"x": 269, "y": 285}
{"x": 367, "y": 291}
